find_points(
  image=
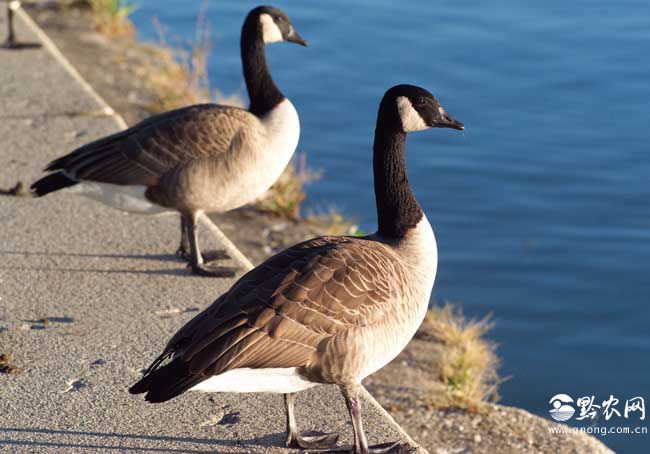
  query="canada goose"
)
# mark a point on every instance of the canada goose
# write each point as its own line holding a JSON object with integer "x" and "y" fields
{"x": 328, "y": 310}
{"x": 202, "y": 158}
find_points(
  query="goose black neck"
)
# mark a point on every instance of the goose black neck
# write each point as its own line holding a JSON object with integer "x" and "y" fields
{"x": 397, "y": 209}
{"x": 262, "y": 91}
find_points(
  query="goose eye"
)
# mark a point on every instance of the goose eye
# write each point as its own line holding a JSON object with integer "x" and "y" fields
{"x": 420, "y": 102}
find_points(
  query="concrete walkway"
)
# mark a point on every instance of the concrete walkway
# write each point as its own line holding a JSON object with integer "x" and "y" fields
{"x": 89, "y": 296}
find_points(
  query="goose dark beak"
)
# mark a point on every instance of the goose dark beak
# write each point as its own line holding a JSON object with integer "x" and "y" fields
{"x": 449, "y": 122}
{"x": 295, "y": 37}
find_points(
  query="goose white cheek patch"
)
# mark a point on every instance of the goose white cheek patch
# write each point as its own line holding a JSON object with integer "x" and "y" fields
{"x": 411, "y": 119}
{"x": 270, "y": 31}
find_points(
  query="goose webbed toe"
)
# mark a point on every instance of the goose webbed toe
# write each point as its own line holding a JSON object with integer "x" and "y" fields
{"x": 396, "y": 447}
{"x": 393, "y": 447}
{"x": 207, "y": 270}
{"x": 214, "y": 255}
{"x": 310, "y": 441}
{"x": 313, "y": 441}
{"x": 208, "y": 256}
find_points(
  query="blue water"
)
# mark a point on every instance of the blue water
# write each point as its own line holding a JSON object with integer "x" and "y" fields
{"x": 541, "y": 207}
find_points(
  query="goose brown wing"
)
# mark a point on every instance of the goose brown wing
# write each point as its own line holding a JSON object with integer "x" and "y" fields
{"x": 142, "y": 154}
{"x": 279, "y": 314}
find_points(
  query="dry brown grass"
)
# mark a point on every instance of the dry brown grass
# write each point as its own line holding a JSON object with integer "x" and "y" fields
{"x": 180, "y": 76}
{"x": 287, "y": 194}
{"x": 112, "y": 17}
{"x": 332, "y": 222}
{"x": 467, "y": 365}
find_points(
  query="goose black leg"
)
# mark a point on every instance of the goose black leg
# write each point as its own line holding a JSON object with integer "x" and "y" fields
{"x": 10, "y": 42}
{"x": 351, "y": 395}
{"x": 196, "y": 260}
{"x": 183, "y": 251}
{"x": 305, "y": 441}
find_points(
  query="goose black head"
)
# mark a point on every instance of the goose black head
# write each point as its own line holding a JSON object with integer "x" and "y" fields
{"x": 275, "y": 26}
{"x": 415, "y": 109}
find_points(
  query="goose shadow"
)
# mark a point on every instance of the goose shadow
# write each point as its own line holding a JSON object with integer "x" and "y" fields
{"x": 19, "y": 46}
{"x": 212, "y": 255}
{"x": 171, "y": 272}
{"x": 216, "y": 254}
{"x": 236, "y": 446}
{"x": 94, "y": 255}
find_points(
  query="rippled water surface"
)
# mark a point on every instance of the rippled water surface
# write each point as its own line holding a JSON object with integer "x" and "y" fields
{"x": 541, "y": 207}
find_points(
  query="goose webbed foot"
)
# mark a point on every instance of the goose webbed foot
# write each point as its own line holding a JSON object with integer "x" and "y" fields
{"x": 396, "y": 447}
{"x": 391, "y": 447}
{"x": 313, "y": 440}
{"x": 207, "y": 270}
{"x": 351, "y": 393}
{"x": 310, "y": 441}
{"x": 190, "y": 240}
{"x": 183, "y": 254}
{"x": 207, "y": 256}
{"x": 216, "y": 254}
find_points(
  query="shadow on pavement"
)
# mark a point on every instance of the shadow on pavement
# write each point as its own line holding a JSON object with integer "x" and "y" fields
{"x": 272, "y": 440}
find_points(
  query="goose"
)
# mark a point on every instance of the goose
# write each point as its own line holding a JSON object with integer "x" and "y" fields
{"x": 201, "y": 158}
{"x": 330, "y": 310}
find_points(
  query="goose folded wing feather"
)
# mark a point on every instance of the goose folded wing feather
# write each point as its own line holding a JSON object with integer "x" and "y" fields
{"x": 288, "y": 306}
{"x": 144, "y": 153}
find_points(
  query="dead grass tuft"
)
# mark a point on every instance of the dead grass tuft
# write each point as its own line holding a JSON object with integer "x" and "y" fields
{"x": 180, "y": 77}
{"x": 286, "y": 195}
{"x": 468, "y": 362}
{"x": 112, "y": 17}
{"x": 332, "y": 222}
